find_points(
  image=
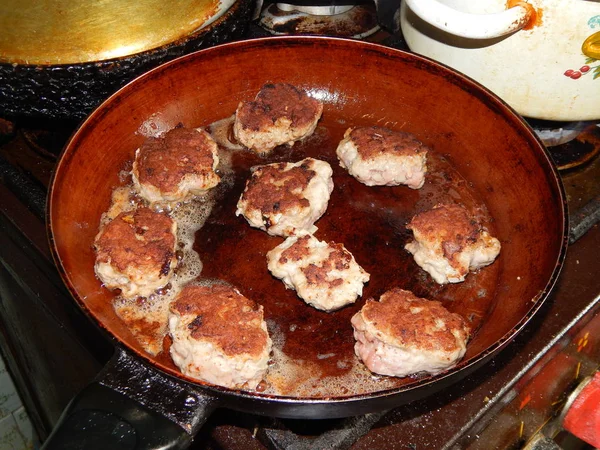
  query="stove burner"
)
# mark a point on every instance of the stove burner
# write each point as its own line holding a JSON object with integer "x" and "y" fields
{"x": 571, "y": 144}
{"x": 355, "y": 21}
{"x": 554, "y": 133}
{"x": 577, "y": 152}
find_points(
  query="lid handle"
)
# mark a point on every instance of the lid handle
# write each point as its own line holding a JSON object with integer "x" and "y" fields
{"x": 473, "y": 26}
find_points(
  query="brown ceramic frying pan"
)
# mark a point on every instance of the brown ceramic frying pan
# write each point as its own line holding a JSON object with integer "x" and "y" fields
{"x": 483, "y": 155}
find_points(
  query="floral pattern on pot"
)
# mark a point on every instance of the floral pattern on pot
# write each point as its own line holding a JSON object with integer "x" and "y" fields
{"x": 591, "y": 50}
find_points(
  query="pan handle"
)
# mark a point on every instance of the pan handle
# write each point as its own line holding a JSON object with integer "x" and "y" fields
{"x": 132, "y": 406}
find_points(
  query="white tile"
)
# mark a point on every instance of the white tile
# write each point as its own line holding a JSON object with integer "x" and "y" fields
{"x": 10, "y": 436}
{"x": 25, "y": 427}
{"x": 9, "y": 399}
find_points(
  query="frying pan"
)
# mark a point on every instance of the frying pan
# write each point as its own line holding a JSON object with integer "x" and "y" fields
{"x": 482, "y": 153}
{"x": 57, "y": 88}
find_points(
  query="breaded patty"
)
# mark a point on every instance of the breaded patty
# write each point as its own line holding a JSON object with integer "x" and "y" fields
{"x": 280, "y": 114}
{"x": 286, "y": 199}
{"x": 175, "y": 166}
{"x": 377, "y": 156}
{"x": 325, "y": 275}
{"x": 448, "y": 243}
{"x": 402, "y": 334}
{"x": 135, "y": 252}
{"x": 219, "y": 336}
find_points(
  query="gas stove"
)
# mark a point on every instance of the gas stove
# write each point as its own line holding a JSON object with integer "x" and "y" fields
{"x": 514, "y": 401}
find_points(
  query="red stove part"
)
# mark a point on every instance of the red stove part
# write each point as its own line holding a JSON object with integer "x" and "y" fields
{"x": 583, "y": 416}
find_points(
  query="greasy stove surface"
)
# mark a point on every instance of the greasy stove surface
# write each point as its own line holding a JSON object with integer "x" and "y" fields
{"x": 505, "y": 402}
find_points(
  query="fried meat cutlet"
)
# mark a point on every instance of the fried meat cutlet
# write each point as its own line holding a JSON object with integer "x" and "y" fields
{"x": 176, "y": 166}
{"x": 402, "y": 334}
{"x": 325, "y": 275}
{"x": 448, "y": 243}
{"x": 219, "y": 336}
{"x": 378, "y": 156}
{"x": 280, "y": 114}
{"x": 135, "y": 252}
{"x": 286, "y": 199}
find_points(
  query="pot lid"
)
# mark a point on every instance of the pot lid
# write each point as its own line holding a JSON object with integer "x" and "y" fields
{"x": 65, "y": 32}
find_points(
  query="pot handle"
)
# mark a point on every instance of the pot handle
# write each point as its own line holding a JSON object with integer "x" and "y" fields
{"x": 131, "y": 406}
{"x": 473, "y": 26}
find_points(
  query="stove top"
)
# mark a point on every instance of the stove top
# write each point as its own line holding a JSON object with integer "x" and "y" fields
{"x": 511, "y": 402}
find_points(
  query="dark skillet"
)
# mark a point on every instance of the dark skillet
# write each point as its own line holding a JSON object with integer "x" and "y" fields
{"x": 483, "y": 155}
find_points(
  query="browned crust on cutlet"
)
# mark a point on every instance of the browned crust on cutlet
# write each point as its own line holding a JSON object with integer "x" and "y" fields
{"x": 163, "y": 162}
{"x": 141, "y": 238}
{"x": 224, "y": 317}
{"x": 375, "y": 141}
{"x": 297, "y": 251}
{"x": 392, "y": 316}
{"x": 450, "y": 224}
{"x": 277, "y": 101}
{"x": 339, "y": 258}
{"x": 261, "y": 192}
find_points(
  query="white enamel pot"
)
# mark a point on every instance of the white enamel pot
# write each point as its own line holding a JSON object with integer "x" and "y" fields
{"x": 541, "y": 56}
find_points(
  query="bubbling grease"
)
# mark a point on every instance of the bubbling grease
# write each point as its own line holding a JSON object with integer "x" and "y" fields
{"x": 147, "y": 318}
{"x": 302, "y": 378}
{"x": 222, "y": 132}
